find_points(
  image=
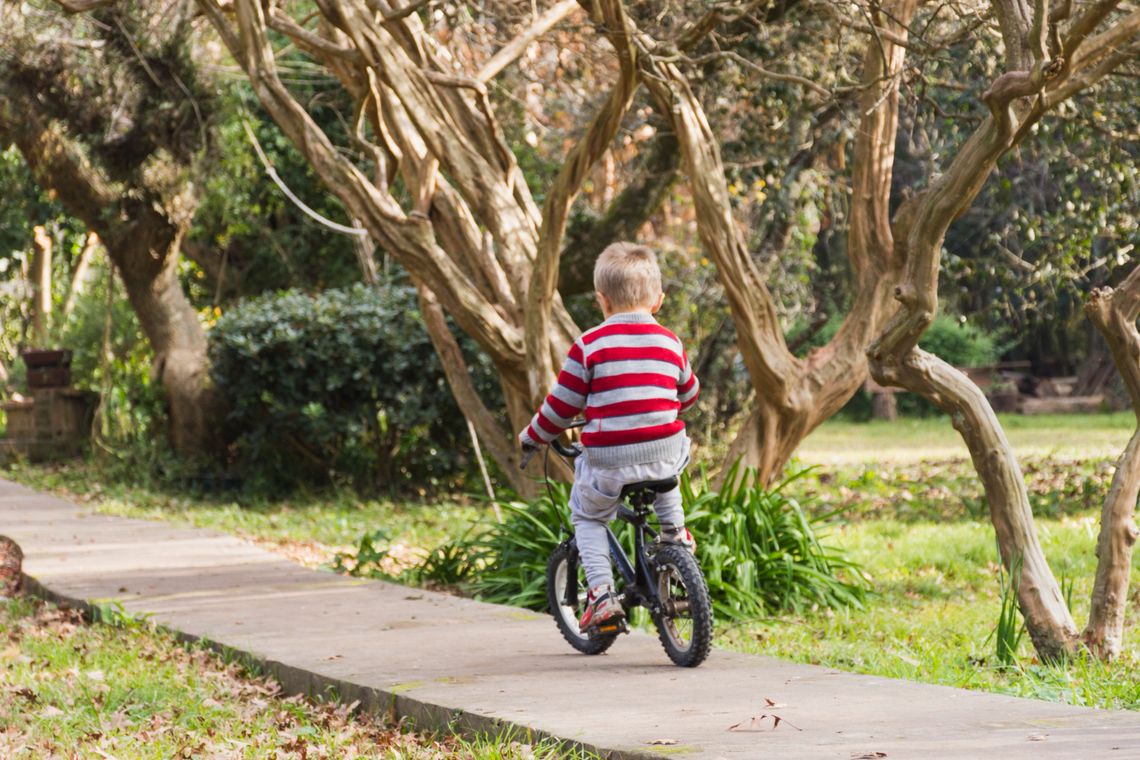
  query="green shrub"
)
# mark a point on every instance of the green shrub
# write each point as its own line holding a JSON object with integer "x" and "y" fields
{"x": 962, "y": 344}
{"x": 760, "y": 552}
{"x": 339, "y": 386}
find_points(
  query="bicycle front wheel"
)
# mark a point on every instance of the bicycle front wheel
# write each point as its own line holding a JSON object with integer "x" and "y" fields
{"x": 685, "y": 622}
{"x": 566, "y": 596}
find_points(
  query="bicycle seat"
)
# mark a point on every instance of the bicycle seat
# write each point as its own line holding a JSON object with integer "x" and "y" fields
{"x": 657, "y": 486}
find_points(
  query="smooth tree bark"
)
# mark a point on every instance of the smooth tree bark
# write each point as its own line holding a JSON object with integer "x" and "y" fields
{"x": 1114, "y": 313}
{"x": 43, "y": 247}
{"x": 1047, "y": 62}
{"x": 132, "y": 187}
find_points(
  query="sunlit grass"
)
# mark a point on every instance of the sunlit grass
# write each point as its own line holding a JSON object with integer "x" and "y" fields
{"x": 939, "y": 599}
{"x": 312, "y": 527}
{"x": 920, "y": 528}
{"x": 915, "y": 439}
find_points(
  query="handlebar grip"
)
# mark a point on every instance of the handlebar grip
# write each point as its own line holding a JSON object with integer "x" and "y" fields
{"x": 569, "y": 452}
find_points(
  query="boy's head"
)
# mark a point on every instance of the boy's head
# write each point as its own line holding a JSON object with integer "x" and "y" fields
{"x": 627, "y": 278}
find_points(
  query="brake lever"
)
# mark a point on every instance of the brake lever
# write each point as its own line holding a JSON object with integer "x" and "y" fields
{"x": 528, "y": 454}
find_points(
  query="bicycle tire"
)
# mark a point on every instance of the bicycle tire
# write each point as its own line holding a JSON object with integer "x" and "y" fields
{"x": 680, "y": 579}
{"x": 565, "y": 616}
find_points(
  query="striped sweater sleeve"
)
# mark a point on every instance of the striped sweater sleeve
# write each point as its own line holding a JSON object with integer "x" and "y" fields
{"x": 688, "y": 387}
{"x": 566, "y": 401}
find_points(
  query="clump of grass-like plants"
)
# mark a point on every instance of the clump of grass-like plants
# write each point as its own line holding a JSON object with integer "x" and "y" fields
{"x": 761, "y": 553}
{"x": 1010, "y": 628}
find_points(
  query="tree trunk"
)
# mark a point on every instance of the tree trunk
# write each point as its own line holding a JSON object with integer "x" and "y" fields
{"x": 794, "y": 396}
{"x": 41, "y": 286}
{"x": 147, "y": 261}
{"x": 81, "y": 274}
{"x": 1047, "y": 619}
{"x": 137, "y": 194}
{"x": 1114, "y": 315}
{"x": 11, "y": 567}
{"x": 1017, "y": 100}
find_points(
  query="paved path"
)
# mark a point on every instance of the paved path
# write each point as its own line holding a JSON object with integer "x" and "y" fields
{"x": 445, "y": 660}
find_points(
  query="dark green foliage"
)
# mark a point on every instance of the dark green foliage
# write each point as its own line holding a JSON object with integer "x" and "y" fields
{"x": 759, "y": 551}
{"x": 266, "y": 241}
{"x": 339, "y": 386}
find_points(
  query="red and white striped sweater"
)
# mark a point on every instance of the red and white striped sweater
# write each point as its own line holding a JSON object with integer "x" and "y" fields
{"x": 631, "y": 377}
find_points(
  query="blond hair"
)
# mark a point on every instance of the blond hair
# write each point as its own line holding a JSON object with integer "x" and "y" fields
{"x": 627, "y": 274}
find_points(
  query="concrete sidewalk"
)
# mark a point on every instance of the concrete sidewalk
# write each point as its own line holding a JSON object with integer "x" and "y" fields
{"x": 449, "y": 661}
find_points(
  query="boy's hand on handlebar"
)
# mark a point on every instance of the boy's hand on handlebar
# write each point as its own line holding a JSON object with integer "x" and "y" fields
{"x": 528, "y": 451}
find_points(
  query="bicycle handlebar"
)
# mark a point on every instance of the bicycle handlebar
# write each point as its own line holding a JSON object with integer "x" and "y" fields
{"x": 574, "y": 449}
{"x": 569, "y": 452}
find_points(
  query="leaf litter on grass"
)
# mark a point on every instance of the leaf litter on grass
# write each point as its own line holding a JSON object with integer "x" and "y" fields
{"x": 69, "y": 689}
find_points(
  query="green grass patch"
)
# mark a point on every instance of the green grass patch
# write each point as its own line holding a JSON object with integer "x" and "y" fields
{"x": 909, "y": 440}
{"x": 920, "y": 529}
{"x": 310, "y": 527}
{"x": 938, "y": 603}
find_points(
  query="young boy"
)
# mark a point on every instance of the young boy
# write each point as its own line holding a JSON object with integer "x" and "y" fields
{"x": 631, "y": 377}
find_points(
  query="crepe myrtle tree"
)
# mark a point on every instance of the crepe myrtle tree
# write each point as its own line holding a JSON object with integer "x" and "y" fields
{"x": 445, "y": 196}
{"x": 793, "y": 395}
{"x": 1052, "y": 52}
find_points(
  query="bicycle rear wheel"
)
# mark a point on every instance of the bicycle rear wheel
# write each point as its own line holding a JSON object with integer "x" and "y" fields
{"x": 566, "y": 596}
{"x": 685, "y": 621}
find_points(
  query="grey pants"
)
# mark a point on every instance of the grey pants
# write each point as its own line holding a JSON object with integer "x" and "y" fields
{"x": 594, "y": 501}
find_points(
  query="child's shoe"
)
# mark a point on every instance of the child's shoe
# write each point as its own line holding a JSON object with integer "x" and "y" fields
{"x": 601, "y": 605}
{"x": 678, "y": 537}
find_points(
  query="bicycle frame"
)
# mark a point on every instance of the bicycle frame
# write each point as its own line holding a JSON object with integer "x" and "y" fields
{"x": 640, "y": 588}
{"x": 640, "y": 584}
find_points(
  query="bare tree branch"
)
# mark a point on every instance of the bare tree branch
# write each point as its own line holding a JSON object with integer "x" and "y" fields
{"x": 586, "y": 153}
{"x": 763, "y": 72}
{"x": 513, "y": 49}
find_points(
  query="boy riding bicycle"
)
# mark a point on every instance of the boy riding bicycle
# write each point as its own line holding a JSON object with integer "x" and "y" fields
{"x": 631, "y": 377}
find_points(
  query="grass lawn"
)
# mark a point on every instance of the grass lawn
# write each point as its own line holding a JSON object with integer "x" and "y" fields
{"x": 69, "y": 689}
{"x": 908, "y": 507}
{"x": 936, "y": 605}
{"x": 914, "y": 440}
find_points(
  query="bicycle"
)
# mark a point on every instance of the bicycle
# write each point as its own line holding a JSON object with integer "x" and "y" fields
{"x": 663, "y": 578}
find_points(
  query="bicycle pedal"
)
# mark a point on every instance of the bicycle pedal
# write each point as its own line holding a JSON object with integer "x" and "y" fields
{"x": 609, "y": 627}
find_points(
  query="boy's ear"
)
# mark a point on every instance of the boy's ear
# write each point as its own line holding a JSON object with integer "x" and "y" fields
{"x": 660, "y": 300}
{"x": 603, "y": 302}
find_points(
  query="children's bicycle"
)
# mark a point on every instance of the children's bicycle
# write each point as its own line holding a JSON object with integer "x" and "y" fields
{"x": 663, "y": 578}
